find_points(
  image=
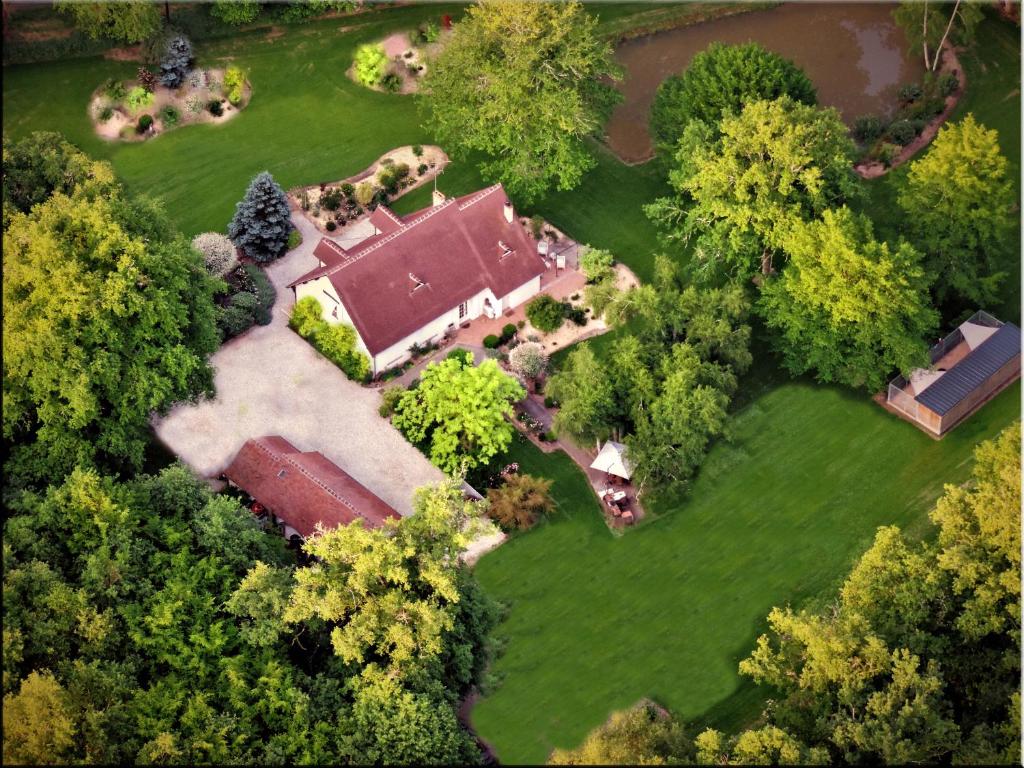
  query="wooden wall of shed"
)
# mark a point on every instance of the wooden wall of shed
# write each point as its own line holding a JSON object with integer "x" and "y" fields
{"x": 929, "y": 419}
{"x": 977, "y": 398}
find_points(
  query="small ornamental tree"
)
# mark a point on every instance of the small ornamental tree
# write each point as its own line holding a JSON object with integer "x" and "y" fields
{"x": 177, "y": 61}
{"x": 545, "y": 313}
{"x": 146, "y": 79}
{"x": 219, "y": 253}
{"x": 528, "y": 360}
{"x": 596, "y": 264}
{"x": 262, "y": 223}
{"x": 519, "y": 502}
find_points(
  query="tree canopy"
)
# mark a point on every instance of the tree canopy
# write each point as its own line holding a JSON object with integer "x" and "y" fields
{"x": 720, "y": 81}
{"x": 738, "y": 193}
{"x": 642, "y": 735}
{"x": 847, "y": 306}
{"x": 108, "y": 317}
{"x": 458, "y": 411}
{"x": 928, "y": 25}
{"x": 127, "y": 21}
{"x": 522, "y": 82}
{"x": 958, "y": 204}
{"x": 262, "y": 221}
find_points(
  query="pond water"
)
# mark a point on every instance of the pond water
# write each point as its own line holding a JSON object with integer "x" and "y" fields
{"x": 854, "y": 54}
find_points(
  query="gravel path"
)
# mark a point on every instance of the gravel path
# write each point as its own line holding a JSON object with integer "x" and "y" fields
{"x": 271, "y": 382}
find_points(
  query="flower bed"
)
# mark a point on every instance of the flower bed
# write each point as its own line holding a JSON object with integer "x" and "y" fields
{"x": 136, "y": 110}
{"x": 396, "y": 63}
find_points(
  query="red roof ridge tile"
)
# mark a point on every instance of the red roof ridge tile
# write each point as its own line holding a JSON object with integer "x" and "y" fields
{"x": 479, "y": 196}
{"x": 333, "y": 245}
{"x": 388, "y": 212}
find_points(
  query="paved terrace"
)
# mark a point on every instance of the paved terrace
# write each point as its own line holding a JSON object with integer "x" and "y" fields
{"x": 271, "y": 382}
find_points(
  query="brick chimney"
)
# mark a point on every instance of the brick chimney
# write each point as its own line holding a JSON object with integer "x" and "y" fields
{"x": 509, "y": 213}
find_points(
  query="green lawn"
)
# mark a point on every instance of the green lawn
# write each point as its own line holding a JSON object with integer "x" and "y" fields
{"x": 597, "y": 622}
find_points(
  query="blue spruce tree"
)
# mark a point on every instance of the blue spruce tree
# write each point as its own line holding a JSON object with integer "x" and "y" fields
{"x": 177, "y": 60}
{"x": 261, "y": 224}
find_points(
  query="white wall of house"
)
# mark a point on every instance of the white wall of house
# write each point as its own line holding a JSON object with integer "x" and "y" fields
{"x": 526, "y": 291}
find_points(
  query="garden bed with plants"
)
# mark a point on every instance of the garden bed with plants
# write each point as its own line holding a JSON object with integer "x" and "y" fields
{"x": 923, "y": 109}
{"x": 396, "y": 63}
{"x": 335, "y": 205}
{"x": 139, "y": 109}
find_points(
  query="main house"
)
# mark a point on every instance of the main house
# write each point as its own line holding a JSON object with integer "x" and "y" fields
{"x": 421, "y": 276}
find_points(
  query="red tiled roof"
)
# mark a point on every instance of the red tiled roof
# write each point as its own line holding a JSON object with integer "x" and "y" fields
{"x": 453, "y": 248}
{"x": 304, "y": 489}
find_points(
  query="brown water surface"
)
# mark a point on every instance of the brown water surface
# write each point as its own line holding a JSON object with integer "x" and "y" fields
{"x": 854, "y": 54}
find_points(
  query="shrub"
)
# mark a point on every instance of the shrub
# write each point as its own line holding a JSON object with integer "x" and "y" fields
{"x": 147, "y": 80}
{"x": 910, "y": 93}
{"x": 947, "y": 84}
{"x": 218, "y": 252}
{"x": 294, "y": 239}
{"x": 347, "y": 190}
{"x": 106, "y": 113}
{"x": 417, "y": 150}
{"x": 145, "y": 123}
{"x": 867, "y": 129}
{"x": 519, "y": 502}
{"x": 887, "y": 153}
{"x": 575, "y": 314}
{"x": 370, "y": 62}
{"x": 550, "y": 402}
{"x": 365, "y": 193}
{"x": 428, "y": 32}
{"x": 491, "y": 341}
{"x": 389, "y": 400}
{"x": 258, "y": 284}
{"x": 391, "y": 82}
{"x": 902, "y": 132}
{"x": 176, "y": 62}
{"x": 114, "y": 90}
{"x": 422, "y": 169}
{"x": 528, "y": 360}
{"x": 194, "y": 105}
{"x": 337, "y": 342}
{"x": 462, "y": 355}
{"x": 138, "y": 98}
{"x": 596, "y": 264}
{"x": 508, "y": 331}
{"x": 545, "y": 313}
{"x": 169, "y": 116}
{"x": 536, "y": 226}
{"x": 331, "y": 199}
{"x": 599, "y": 295}
{"x": 234, "y": 82}
{"x": 331, "y": 225}
{"x": 236, "y": 318}
{"x": 215, "y": 108}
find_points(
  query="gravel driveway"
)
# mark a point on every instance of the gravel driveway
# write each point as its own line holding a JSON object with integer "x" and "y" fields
{"x": 271, "y": 382}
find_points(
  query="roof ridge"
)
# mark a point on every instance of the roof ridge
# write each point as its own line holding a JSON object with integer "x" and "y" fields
{"x": 390, "y": 214}
{"x": 479, "y": 196}
{"x": 330, "y": 491}
{"x": 335, "y": 246}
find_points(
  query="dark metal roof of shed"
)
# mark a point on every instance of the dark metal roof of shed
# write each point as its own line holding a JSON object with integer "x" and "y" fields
{"x": 971, "y": 372}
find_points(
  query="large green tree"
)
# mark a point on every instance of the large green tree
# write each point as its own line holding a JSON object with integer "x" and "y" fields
{"x": 108, "y": 318}
{"x": 738, "y": 193}
{"x": 958, "y": 204}
{"x": 642, "y": 735}
{"x": 849, "y": 307}
{"x": 40, "y": 164}
{"x": 918, "y": 658}
{"x": 720, "y": 81}
{"x": 126, "y": 21}
{"x": 929, "y": 25}
{"x": 585, "y": 397}
{"x": 459, "y": 410}
{"x": 523, "y": 82}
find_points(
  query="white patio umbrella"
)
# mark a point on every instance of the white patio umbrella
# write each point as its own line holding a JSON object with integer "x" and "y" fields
{"x": 612, "y": 459}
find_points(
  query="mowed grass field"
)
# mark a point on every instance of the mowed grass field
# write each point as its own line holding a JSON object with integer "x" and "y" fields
{"x": 594, "y": 622}
{"x": 778, "y": 515}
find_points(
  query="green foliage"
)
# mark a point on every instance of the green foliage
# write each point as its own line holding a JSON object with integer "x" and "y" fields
{"x": 335, "y": 341}
{"x": 642, "y": 735}
{"x": 528, "y": 360}
{"x": 114, "y": 89}
{"x": 901, "y": 132}
{"x": 38, "y": 724}
{"x": 138, "y": 98}
{"x": 720, "y": 81}
{"x": 849, "y": 307}
{"x": 176, "y": 62}
{"x": 491, "y": 341}
{"x": 925, "y": 24}
{"x": 215, "y": 107}
{"x": 520, "y": 502}
{"x": 169, "y": 116}
{"x": 524, "y": 83}
{"x": 918, "y": 660}
{"x": 389, "y": 400}
{"x": 299, "y": 10}
{"x": 106, "y": 311}
{"x": 737, "y": 195}
{"x": 867, "y": 128}
{"x": 236, "y": 12}
{"x": 131, "y": 21}
{"x": 584, "y": 394}
{"x": 391, "y": 82}
{"x": 234, "y": 82}
{"x": 294, "y": 239}
{"x": 958, "y": 203}
{"x": 262, "y": 221}
{"x": 145, "y": 123}
{"x": 370, "y": 63}
{"x": 597, "y": 264}
{"x": 330, "y": 199}
{"x": 428, "y": 32}
{"x": 219, "y": 253}
{"x": 43, "y": 163}
{"x": 545, "y": 313}
{"x": 459, "y": 411}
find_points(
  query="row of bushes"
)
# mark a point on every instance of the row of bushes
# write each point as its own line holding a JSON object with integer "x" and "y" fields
{"x": 493, "y": 342}
{"x": 249, "y": 303}
{"x": 335, "y": 341}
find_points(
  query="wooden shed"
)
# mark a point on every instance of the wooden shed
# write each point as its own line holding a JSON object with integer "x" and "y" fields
{"x": 969, "y": 367}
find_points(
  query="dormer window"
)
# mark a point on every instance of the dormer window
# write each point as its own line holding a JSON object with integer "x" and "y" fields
{"x": 416, "y": 283}
{"x": 504, "y": 250}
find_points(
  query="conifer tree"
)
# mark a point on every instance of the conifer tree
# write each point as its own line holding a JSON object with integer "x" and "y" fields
{"x": 261, "y": 223}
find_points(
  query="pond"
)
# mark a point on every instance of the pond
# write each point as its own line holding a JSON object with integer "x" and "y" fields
{"x": 854, "y": 54}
